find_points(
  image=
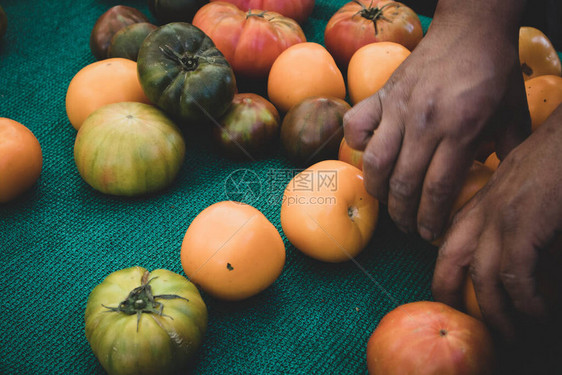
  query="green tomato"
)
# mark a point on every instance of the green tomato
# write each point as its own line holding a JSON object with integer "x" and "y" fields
{"x": 140, "y": 322}
{"x": 183, "y": 73}
{"x": 128, "y": 149}
{"x": 127, "y": 41}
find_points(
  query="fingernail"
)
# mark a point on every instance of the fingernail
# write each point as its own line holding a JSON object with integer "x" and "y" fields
{"x": 426, "y": 233}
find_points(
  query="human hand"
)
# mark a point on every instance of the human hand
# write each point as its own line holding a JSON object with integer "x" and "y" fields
{"x": 460, "y": 85}
{"x": 505, "y": 233}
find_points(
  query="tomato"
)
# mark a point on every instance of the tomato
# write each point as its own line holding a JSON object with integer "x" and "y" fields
{"x": 544, "y": 95}
{"x": 128, "y": 149}
{"x": 250, "y": 41}
{"x": 371, "y": 66}
{"x": 326, "y": 212}
{"x": 249, "y": 128}
{"x": 141, "y": 322}
{"x": 183, "y": 73}
{"x": 232, "y": 251}
{"x": 363, "y": 22}
{"x": 492, "y": 161}
{"x": 299, "y": 10}
{"x": 477, "y": 176}
{"x": 350, "y": 155}
{"x": 21, "y": 159}
{"x": 167, "y": 11}
{"x": 427, "y": 338}
{"x": 113, "y": 20}
{"x": 100, "y": 83}
{"x": 301, "y": 71}
{"x": 311, "y": 130}
{"x": 127, "y": 41}
{"x": 536, "y": 53}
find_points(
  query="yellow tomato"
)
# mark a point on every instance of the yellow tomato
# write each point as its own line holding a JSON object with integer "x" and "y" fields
{"x": 537, "y": 55}
{"x": 301, "y": 71}
{"x": 371, "y": 66}
{"x": 21, "y": 159}
{"x": 103, "y": 82}
{"x": 232, "y": 251}
{"x": 327, "y": 213}
{"x": 544, "y": 94}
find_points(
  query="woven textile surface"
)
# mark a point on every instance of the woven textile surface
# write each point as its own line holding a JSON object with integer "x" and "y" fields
{"x": 60, "y": 239}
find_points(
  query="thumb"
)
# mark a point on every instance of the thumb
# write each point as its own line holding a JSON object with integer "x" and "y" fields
{"x": 360, "y": 122}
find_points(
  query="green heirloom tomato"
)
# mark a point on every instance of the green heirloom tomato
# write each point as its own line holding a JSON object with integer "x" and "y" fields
{"x": 128, "y": 149}
{"x": 127, "y": 41}
{"x": 182, "y": 72}
{"x": 140, "y": 322}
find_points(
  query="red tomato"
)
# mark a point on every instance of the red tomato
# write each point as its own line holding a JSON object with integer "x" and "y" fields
{"x": 299, "y": 10}
{"x": 250, "y": 41}
{"x": 362, "y": 22}
{"x": 427, "y": 338}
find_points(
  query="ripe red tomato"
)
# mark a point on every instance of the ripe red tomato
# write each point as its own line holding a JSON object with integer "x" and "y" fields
{"x": 428, "y": 338}
{"x": 299, "y": 10}
{"x": 362, "y": 22}
{"x": 250, "y": 41}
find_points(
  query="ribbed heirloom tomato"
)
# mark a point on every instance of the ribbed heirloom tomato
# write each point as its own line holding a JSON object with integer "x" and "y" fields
{"x": 301, "y": 71}
{"x": 299, "y": 10}
{"x": 21, "y": 159}
{"x": 326, "y": 212}
{"x": 232, "y": 251}
{"x": 361, "y": 22}
{"x": 250, "y": 41}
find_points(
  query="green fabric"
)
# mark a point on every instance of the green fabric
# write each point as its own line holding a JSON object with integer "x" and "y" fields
{"x": 59, "y": 240}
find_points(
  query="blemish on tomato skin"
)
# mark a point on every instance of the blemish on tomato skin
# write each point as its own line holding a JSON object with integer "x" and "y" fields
{"x": 229, "y": 267}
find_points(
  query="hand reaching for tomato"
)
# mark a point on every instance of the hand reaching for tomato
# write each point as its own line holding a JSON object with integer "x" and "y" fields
{"x": 506, "y": 237}
{"x": 460, "y": 86}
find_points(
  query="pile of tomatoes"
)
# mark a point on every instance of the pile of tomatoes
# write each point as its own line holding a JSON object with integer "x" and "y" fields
{"x": 153, "y": 83}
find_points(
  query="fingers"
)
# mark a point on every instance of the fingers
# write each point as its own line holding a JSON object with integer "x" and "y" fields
{"x": 361, "y": 120}
{"x": 407, "y": 177}
{"x": 442, "y": 182}
{"x": 379, "y": 157}
{"x": 518, "y": 274}
{"x": 453, "y": 260}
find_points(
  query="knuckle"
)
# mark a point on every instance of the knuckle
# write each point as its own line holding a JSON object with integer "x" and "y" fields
{"x": 438, "y": 192}
{"x": 375, "y": 162}
{"x": 402, "y": 188}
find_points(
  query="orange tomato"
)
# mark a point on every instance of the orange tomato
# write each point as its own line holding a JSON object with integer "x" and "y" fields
{"x": 371, "y": 66}
{"x": 470, "y": 302}
{"x": 492, "y": 161}
{"x": 536, "y": 53}
{"x": 21, "y": 159}
{"x": 478, "y": 175}
{"x": 428, "y": 338}
{"x": 544, "y": 94}
{"x": 103, "y": 82}
{"x": 301, "y": 71}
{"x": 326, "y": 212}
{"x": 232, "y": 251}
{"x": 350, "y": 155}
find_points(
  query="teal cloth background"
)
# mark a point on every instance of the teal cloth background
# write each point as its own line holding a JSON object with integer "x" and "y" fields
{"x": 60, "y": 239}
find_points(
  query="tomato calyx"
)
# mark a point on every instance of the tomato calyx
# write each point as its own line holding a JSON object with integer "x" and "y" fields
{"x": 261, "y": 15}
{"x": 352, "y": 212}
{"x": 374, "y": 14}
{"x": 141, "y": 300}
{"x": 187, "y": 61}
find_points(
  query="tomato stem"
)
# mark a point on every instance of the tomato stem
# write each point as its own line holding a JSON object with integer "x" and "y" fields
{"x": 188, "y": 61}
{"x": 374, "y": 14}
{"x": 141, "y": 300}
